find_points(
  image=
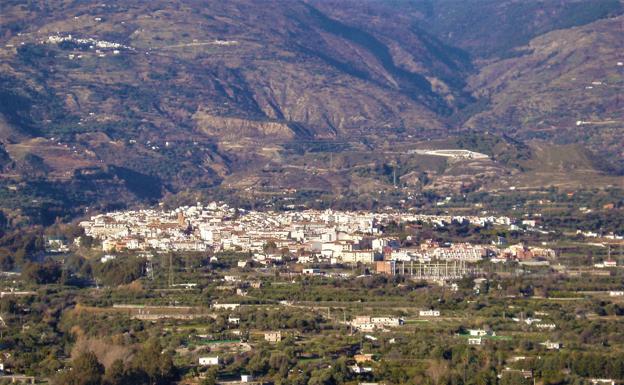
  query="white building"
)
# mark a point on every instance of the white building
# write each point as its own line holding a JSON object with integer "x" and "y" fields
{"x": 369, "y": 324}
{"x": 209, "y": 361}
{"x": 551, "y": 345}
{"x": 242, "y": 263}
{"x": 273, "y": 336}
{"x": 602, "y": 381}
{"x": 429, "y": 313}
{"x": 107, "y": 257}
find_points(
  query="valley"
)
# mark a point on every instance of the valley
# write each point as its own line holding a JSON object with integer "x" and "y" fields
{"x": 212, "y": 98}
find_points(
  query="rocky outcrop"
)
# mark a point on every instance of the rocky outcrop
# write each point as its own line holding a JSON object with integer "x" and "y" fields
{"x": 231, "y": 128}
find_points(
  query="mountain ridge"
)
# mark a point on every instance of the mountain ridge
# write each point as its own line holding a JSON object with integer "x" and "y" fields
{"x": 296, "y": 94}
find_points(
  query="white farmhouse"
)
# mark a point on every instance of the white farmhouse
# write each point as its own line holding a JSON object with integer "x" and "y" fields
{"x": 429, "y": 313}
{"x": 209, "y": 361}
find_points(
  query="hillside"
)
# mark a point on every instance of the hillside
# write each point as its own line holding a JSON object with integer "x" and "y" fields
{"x": 107, "y": 105}
{"x": 312, "y": 76}
{"x": 494, "y": 28}
{"x": 564, "y": 86}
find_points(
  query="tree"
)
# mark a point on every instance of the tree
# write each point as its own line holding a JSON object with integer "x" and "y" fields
{"x": 4, "y": 221}
{"x": 152, "y": 365}
{"x": 321, "y": 377}
{"x": 8, "y": 305}
{"x": 277, "y": 359}
{"x": 514, "y": 378}
{"x": 438, "y": 370}
{"x": 85, "y": 370}
{"x": 257, "y": 364}
{"x": 120, "y": 271}
{"x": 340, "y": 370}
{"x": 42, "y": 273}
{"x": 7, "y": 262}
{"x": 211, "y": 376}
{"x": 116, "y": 374}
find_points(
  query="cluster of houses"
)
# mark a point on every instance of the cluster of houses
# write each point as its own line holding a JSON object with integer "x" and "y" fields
{"x": 100, "y": 47}
{"x": 92, "y": 43}
{"x": 328, "y": 236}
{"x": 523, "y": 252}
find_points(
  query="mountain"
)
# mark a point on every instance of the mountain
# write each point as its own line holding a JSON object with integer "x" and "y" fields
{"x": 565, "y": 86}
{"x": 538, "y": 67}
{"x": 283, "y": 69}
{"x": 494, "y": 28}
{"x": 109, "y": 104}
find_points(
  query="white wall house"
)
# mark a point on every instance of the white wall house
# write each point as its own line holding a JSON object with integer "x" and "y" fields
{"x": 209, "y": 361}
{"x": 429, "y": 313}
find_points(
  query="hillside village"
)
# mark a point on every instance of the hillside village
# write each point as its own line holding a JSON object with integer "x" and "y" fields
{"x": 334, "y": 237}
